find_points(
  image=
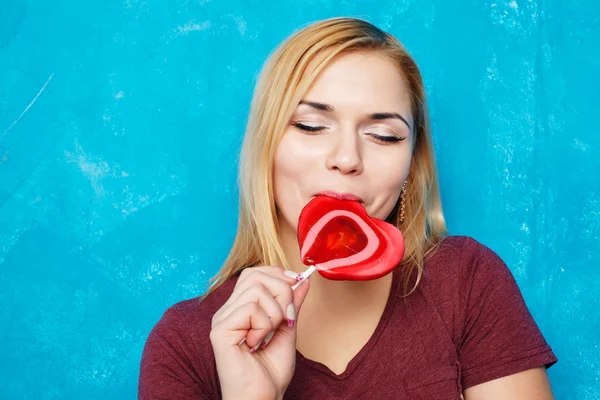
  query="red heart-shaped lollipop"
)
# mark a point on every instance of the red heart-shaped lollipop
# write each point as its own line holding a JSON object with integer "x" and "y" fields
{"x": 340, "y": 239}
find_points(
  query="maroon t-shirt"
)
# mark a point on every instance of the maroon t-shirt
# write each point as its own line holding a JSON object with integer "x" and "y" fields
{"x": 466, "y": 324}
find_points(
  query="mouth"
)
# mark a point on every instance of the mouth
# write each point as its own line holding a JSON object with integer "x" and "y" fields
{"x": 340, "y": 196}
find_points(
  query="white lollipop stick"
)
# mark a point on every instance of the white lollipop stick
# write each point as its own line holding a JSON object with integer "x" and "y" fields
{"x": 301, "y": 278}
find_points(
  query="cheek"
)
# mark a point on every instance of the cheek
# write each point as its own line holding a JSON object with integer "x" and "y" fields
{"x": 290, "y": 176}
{"x": 294, "y": 158}
{"x": 287, "y": 162}
{"x": 387, "y": 175}
{"x": 390, "y": 170}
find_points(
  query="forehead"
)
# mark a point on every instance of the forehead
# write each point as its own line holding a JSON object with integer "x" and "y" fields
{"x": 368, "y": 81}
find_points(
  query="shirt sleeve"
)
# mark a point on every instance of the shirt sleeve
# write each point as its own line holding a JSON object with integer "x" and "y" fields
{"x": 499, "y": 336}
{"x": 166, "y": 370}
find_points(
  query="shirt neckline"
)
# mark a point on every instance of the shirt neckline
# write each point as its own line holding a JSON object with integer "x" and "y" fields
{"x": 366, "y": 349}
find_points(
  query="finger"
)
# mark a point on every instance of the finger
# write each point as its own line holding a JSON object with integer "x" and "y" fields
{"x": 248, "y": 321}
{"x": 267, "y": 269}
{"x": 276, "y": 272}
{"x": 260, "y": 294}
{"x": 280, "y": 290}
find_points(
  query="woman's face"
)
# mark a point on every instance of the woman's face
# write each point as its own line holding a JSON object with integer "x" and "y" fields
{"x": 351, "y": 134}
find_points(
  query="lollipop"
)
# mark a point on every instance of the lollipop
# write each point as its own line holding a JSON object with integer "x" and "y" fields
{"x": 341, "y": 241}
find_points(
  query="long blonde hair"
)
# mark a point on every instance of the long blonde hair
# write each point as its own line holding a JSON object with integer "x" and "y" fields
{"x": 284, "y": 79}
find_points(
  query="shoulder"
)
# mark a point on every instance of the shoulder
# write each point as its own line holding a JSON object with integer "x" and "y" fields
{"x": 458, "y": 271}
{"x": 462, "y": 247}
{"x": 482, "y": 305}
{"x": 194, "y": 316}
{"x": 462, "y": 258}
{"x": 178, "y": 356}
{"x": 185, "y": 326}
{"x": 180, "y": 340}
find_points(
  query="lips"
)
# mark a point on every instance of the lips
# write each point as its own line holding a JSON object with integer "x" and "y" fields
{"x": 340, "y": 196}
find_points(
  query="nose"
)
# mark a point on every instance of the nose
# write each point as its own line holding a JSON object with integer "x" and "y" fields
{"x": 345, "y": 154}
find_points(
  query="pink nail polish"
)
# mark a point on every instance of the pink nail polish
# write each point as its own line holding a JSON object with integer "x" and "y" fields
{"x": 252, "y": 350}
{"x": 267, "y": 339}
{"x": 291, "y": 315}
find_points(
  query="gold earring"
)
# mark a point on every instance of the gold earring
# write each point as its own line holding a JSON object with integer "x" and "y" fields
{"x": 402, "y": 202}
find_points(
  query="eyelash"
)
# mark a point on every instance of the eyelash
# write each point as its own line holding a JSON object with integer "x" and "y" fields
{"x": 384, "y": 139}
{"x": 308, "y": 128}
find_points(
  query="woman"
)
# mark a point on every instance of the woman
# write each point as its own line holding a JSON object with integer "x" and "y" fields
{"x": 339, "y": 110}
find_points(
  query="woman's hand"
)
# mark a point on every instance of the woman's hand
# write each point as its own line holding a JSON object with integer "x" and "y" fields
{"x": 257, "y": 310}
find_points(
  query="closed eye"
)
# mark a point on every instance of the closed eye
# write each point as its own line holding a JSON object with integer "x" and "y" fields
{"x": 387, "y": 139}
{"x": 308, "y": 128}
{"x": 378, "y": 138}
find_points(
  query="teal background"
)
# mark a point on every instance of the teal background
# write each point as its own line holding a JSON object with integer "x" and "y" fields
{"x": 120, "y": 123}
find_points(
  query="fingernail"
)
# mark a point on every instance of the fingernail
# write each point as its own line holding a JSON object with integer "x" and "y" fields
{"x": 252, "y": 350}
{"x": 291, "y": 315}
{"x": 290, "y": 274}
{"x": 267, "y": 339}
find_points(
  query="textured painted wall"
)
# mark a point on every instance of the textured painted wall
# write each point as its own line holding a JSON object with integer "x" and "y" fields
{"x": 120, "y": 122}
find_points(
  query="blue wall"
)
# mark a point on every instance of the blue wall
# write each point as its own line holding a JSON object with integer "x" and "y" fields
{"x": 120, "y": 122}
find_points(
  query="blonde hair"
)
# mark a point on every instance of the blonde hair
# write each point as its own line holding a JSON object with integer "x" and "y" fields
{"x": 284, "y": 79}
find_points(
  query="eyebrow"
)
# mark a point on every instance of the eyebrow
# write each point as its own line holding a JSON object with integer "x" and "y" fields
{"x": 376, "y": 116}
